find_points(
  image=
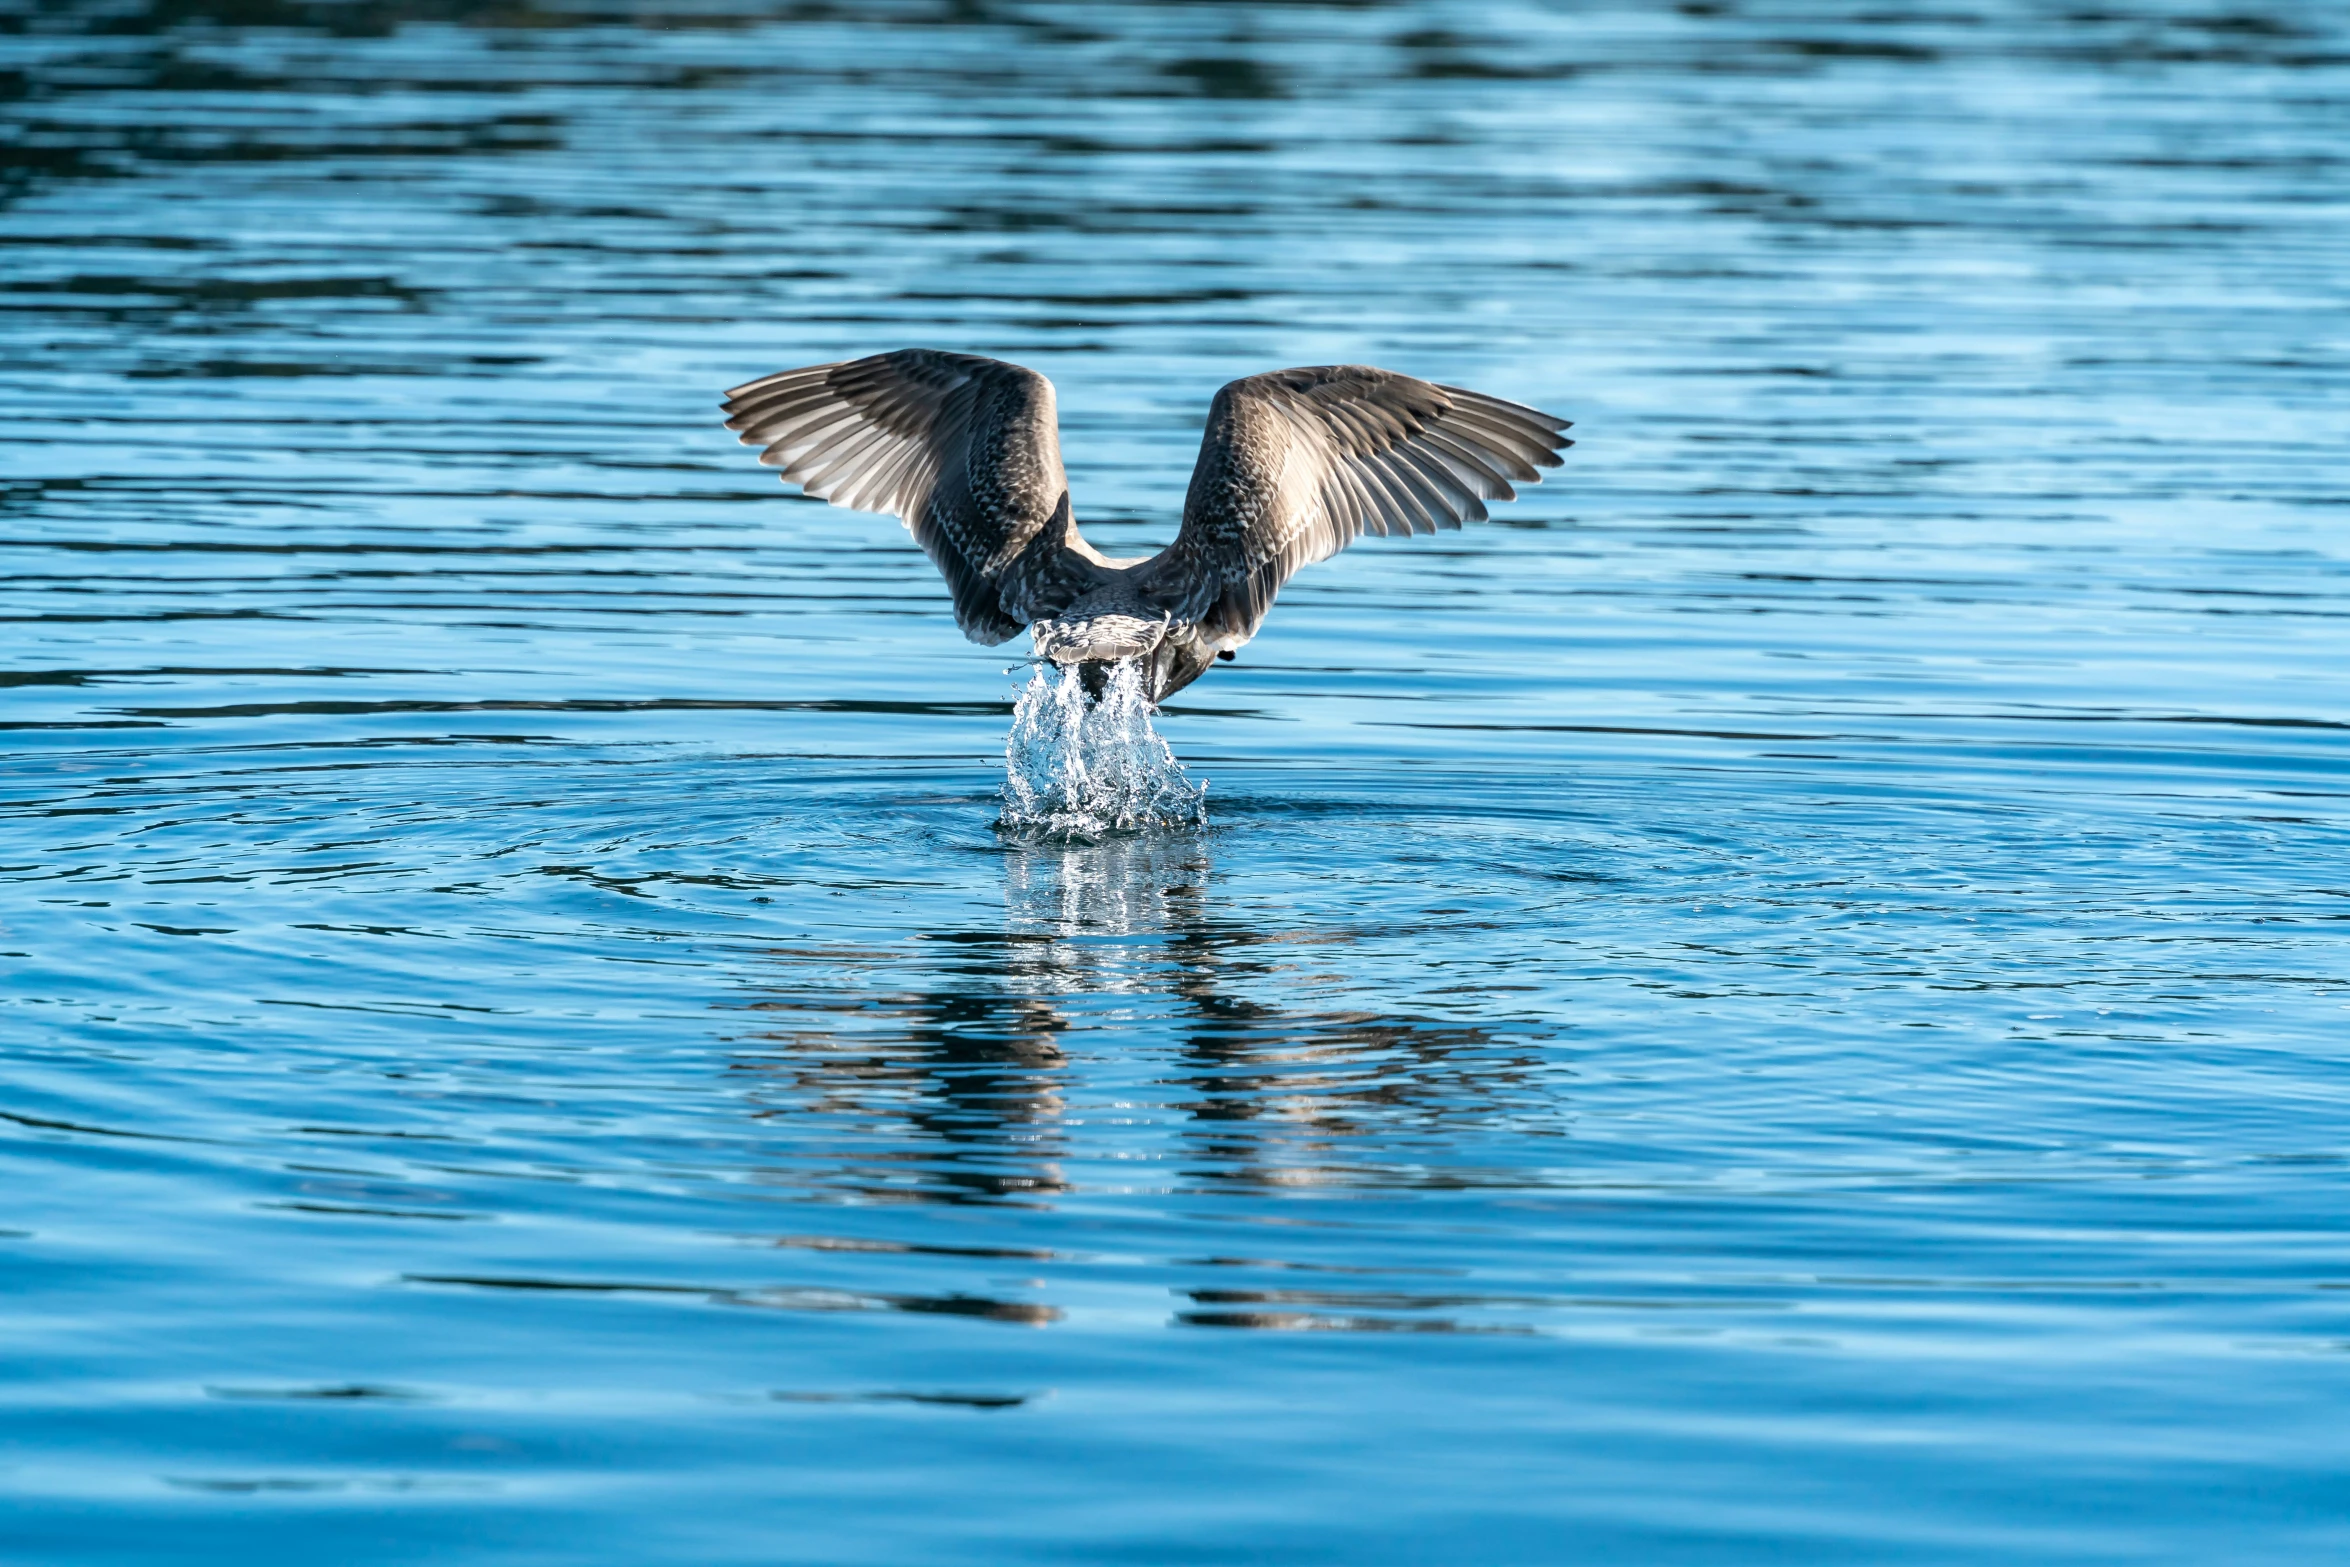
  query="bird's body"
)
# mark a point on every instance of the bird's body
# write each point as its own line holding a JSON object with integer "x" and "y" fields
{"x": 1294, "y": 466}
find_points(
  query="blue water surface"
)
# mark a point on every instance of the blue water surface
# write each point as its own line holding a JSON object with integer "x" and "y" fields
{"x": 1783, "y": 1001}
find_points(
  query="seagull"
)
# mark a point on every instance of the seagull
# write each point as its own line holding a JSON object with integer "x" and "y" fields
{"x": 1295, "y": 466}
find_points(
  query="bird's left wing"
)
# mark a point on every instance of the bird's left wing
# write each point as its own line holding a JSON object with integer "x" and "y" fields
{"x": 966, "y": 450}
{"x": 1298, "y": 464}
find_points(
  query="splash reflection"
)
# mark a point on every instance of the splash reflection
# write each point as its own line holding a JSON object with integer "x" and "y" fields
{"x": 978, "y": 1065}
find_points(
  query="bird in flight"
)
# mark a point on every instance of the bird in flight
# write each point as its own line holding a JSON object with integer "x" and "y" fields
{"x": 1295, "y": 466}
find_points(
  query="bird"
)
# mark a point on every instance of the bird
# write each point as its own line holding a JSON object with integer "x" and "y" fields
{"x": 1294, "y": 466}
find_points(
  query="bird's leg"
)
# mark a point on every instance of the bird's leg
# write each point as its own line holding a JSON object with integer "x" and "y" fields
{"x": 1095, "y": 675}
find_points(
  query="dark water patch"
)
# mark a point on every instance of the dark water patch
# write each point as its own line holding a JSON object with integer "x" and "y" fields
{"x": 47, "y": 1124}
{"x": 979, "y": 1307}
{"x": 263, "y": 1485}
{"x": 1226, "y": 76}
{"x": 578, "y": 705}
{"x": 360, "y": 1211}
{"x": 979, "y": 1401}
{"x": 1324, "y": 1322}
{"x": 180, "y": 294}
{"x": 906, "y": 1248}
{"x": 340, "y": 1392}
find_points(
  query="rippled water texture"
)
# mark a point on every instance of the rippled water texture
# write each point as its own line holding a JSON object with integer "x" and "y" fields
{"x": 1784, "y": 1000}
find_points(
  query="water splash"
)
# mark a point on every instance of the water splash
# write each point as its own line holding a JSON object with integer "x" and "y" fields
{"x": 1078, "y": 769}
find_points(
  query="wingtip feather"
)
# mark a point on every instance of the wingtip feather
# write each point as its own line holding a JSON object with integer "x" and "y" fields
{"x": 777, "y": 380}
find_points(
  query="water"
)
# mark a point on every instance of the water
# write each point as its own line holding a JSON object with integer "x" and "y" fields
{"x": 1078, "y": 769}
{"x": 1783, "y": 1000}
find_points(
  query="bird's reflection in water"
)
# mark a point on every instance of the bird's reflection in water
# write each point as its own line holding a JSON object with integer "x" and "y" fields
{"x": 1115, "y": 1011}
{"x": 948, "y": 1092}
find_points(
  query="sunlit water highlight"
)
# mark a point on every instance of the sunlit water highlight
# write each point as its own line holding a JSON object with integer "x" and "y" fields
{"x": 1078, "y": 768}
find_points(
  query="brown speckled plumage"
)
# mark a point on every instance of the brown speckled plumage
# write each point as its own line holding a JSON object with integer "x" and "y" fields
{"x": 1294, "y": 466}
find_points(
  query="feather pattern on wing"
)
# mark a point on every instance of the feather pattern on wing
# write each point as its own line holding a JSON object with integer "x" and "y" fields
{"x": 1295, "y": 465}
{"x": 1298, "y": 464}
{"x": 966, "y": 450}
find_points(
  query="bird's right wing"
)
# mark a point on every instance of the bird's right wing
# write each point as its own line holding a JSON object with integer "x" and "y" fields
{"x": 1298, "y": 464}
{"x": 966, "y": 450}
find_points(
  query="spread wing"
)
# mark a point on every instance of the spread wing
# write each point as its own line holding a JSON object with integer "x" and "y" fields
{"x": 966, "y": 450}
{"x": 1298, "y": 464}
